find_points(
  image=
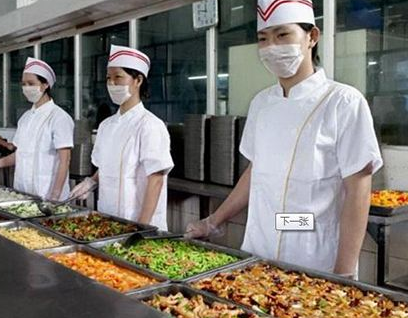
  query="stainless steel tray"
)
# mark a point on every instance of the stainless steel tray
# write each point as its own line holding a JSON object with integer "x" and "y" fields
{"x": 188, "y": 292}
{"x": 243, "y": 256}
{"x": 28, "y": 196}
{"x": 6, "y": 213}
{"x": 15, "y": 225}
{"x": 144, "y": 228}
{"x": 393, "y": 295}
{"x": 98, "y": 254}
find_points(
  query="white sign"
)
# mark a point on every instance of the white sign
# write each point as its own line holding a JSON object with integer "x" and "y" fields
{"x": 205, "y": 14}
{"x": 24, "y": 3}
{"x": 294, "y": 221}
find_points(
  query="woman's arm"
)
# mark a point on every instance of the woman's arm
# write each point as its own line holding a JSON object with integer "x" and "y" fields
{"x": 8, "y": 161}
{"x": 353, "y": 221}
{"x": 151, "y": 198}
{"x": 64, "y": 155}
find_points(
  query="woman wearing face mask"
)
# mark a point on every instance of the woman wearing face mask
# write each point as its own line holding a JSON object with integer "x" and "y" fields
{"x": 312, "y": 148}
{"x": 132, "y": 148}
{"x": 44, "y": 138}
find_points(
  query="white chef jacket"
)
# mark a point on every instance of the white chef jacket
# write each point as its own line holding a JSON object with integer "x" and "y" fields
{"x": 337, "y": 142}
{"x": 40, "y": 133}
{"x": 128, "y": 149}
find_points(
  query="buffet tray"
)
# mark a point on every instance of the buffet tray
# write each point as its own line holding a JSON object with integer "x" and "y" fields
{"x": 393, "y": 295}
{"x": 383, "y": 211}
{"x": 7, "y": 214}
{"x": 28, "y": 196}
{"x": 98, "y": 254}
{"x": 243, "y": 256}
{"x": 187, "y": 291}
{"x": 11, "y": 225}
{"x": 145, "y": 228}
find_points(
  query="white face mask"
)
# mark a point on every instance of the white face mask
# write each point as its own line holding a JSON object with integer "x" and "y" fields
{"x": 283, "y": 60}
{"x": 32, "y": 93}
{"x": 119, "y": 93}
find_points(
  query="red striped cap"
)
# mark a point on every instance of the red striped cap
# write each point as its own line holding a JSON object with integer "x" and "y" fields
{"x": 122, "y": 56}
{"x": 38, "y": 67}
{"x": 278, "y": 12}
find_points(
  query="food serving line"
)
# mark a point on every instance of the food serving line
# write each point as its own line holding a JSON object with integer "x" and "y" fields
{"x": 183, "y": 277}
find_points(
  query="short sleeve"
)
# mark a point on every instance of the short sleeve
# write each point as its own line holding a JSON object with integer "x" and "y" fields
{"x": 63, "y": 131}
{"x": 96, "y": 151}
{"x": 17, "y": 135}
{"x": 248, "y": 136}
{"x": 357, "y": 144}
{"x": 155, "y": 148}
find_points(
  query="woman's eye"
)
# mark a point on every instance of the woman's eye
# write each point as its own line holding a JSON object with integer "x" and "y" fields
{"x": 280, "y": 35}
{"x": 261, "y": 39}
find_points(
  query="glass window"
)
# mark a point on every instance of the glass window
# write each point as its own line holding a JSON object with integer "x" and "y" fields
{"x": 59, "y": 55}
{"x": 178, "y": 64}
{"x": 17, "y": 102}
{"x": 96, "y": 104}
{"x": 1, "y": 91}
{"x": 238, "y": 55}
{"x": 372, "y": 55}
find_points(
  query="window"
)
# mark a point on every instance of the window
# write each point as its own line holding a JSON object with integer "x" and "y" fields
{"x": 373, "y": 57}
{"x": 96, "y": 103}
{"x": 17, "y": 102}
{"x": 178, "y": 64}
{"x": 60, "y": 56}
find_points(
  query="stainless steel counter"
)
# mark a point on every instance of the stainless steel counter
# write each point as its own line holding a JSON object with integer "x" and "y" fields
{"x": 31, "y": 286}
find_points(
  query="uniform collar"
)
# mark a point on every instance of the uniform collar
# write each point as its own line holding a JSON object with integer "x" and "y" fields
{"x": 304, "y": 88}
{"x": 45, "y": 108}
{"x": 135, "y": 111}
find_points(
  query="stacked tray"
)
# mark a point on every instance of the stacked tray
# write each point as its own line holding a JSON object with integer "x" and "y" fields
{"x": 186, "y": 300}
{"x": 280, "y": 289}
{"x": 181, "y": 258}
{"x": 196, "y": 147}
{"x": 223, "y": 167}
{"x": 69, "y": 225}
{"x": 30, "y": 235}
{"x": 102, "y": 268}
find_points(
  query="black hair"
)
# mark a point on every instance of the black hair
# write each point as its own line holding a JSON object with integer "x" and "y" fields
{"x": 44, "y": 81}
{"x": 144, "y": 88}
{"x": 307, "y": 27}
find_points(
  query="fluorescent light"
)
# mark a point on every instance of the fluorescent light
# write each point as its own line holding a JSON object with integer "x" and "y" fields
{"x": 237, "y": 8}
{"x": 371, "y": 63}
{"x": 204, "y": 77}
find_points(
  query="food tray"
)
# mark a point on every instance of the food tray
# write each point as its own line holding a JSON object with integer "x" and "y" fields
{"x": 393, "y": 295}
{"x": 98, "y": 254}
{"x": 387, "y": 211}
{"x": 383, "y": 211}
{"x": 27, "y": 196}
{"x": 243, "y": 256}
{"x": 4, "y": 212}
{"x": 22, "y": 224}
{"x": 144, "y": 228}
{"x": 188, "y": 292}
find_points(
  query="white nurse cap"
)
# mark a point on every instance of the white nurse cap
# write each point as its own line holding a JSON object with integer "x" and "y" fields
{"x": 38, "y": 67}
{"x": 278, "y": 12}
{"x": 122, "y": 56}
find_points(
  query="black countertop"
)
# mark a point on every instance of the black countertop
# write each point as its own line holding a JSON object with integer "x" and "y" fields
{"x": 33, "y": 286}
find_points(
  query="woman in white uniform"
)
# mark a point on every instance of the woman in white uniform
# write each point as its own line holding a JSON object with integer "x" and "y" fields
{"x": 44, "y": 138}
{"x": 312, "y": 148}
{"x": 132, "y": 148}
